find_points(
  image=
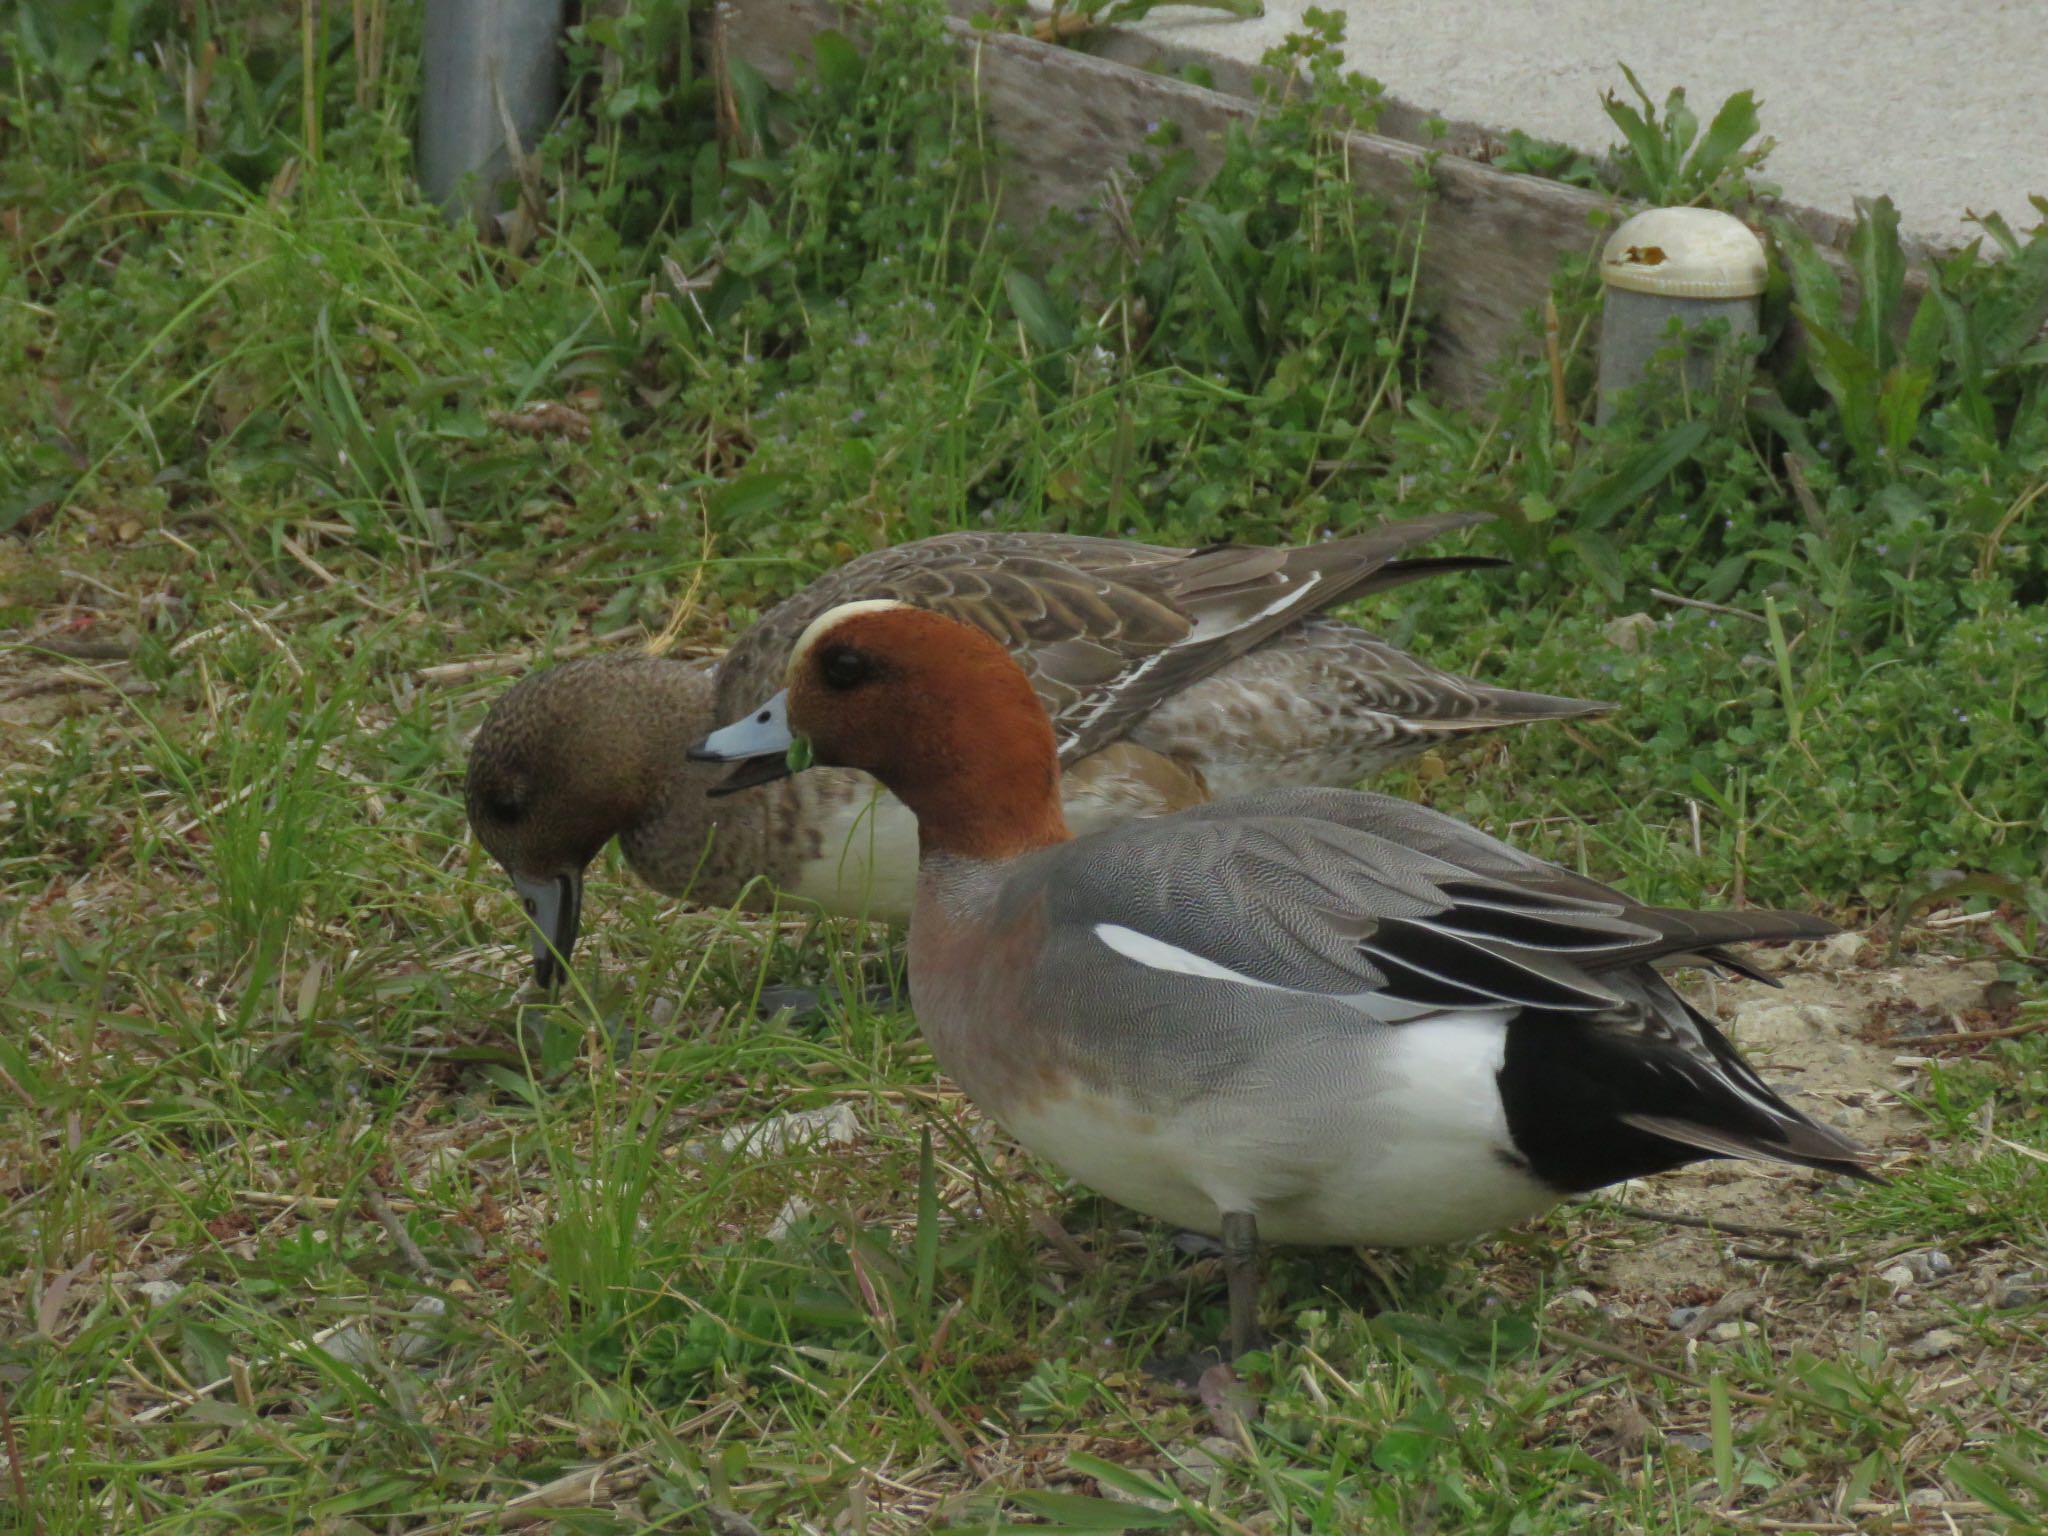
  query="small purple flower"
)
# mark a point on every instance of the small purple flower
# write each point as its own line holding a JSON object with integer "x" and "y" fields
{"x": 860, "y": 338}
{"x": 1153, "y": 126}
{"x": 1713, "y": 623}
{"x": 490, "y": 351}
{"x": 1884, "y": 549}
{"x": 858, "y": 416}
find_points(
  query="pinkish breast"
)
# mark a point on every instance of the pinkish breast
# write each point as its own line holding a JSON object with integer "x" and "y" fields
{"x": 971, "y": 988}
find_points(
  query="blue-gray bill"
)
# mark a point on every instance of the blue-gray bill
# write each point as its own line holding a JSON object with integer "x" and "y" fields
{"x": 555, "y": 909}
{"x": 759, "y": 745}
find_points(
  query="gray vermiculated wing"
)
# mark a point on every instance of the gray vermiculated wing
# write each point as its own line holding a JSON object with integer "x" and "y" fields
{"x": 1368, "y": 896}
{"x": 1313, "y": 906}
{"x": 1519, "y": 880}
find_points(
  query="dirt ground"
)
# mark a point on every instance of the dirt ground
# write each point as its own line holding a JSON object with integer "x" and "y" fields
{"x": 1839, "y": 1036}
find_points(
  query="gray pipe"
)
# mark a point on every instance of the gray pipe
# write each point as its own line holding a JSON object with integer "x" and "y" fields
{"x": 486, "y": 62}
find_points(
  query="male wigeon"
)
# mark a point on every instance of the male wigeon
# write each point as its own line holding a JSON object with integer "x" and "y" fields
{"x": 1173, "y": 675}
{"x": 1309, "y": 1015}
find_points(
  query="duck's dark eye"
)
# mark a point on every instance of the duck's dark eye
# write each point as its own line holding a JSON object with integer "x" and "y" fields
{"x": 502, "y": 809}
{"x": 843, "y": 666}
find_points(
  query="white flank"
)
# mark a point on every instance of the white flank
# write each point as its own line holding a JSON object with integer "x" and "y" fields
{"x": 1391, "y": 1137}
{"x": 1419, "y": 1146}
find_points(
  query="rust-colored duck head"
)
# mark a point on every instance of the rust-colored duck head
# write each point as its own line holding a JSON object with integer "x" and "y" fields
{"x": 935, "y": 709}
{"x": 570, "y": 758}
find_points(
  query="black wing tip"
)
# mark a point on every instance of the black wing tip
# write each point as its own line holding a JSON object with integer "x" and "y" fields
{"x": 1860, "y": 1171}
{"x": 1806, "y": 1143}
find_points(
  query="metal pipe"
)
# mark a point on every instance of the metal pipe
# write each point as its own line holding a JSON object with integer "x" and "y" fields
{"x": 487, "y": 64}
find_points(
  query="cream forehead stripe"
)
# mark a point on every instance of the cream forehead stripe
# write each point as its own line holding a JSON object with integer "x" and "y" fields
{"x": 827, "y": 620}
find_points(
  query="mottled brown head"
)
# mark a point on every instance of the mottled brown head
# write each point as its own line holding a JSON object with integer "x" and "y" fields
{"x": 935, "y": 709}
{"x": 567, "y": 760}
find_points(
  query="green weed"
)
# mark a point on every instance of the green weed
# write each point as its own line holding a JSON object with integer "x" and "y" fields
{"x": 304, "y": 1230}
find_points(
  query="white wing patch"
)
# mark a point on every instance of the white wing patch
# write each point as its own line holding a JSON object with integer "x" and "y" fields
{"x": 1158, "y": 955}
{"x": 1215, "y": 627}
{"x": 1206, "y": 631}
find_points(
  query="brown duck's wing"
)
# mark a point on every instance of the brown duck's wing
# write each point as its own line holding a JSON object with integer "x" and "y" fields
{"x": 1104, "y": 628}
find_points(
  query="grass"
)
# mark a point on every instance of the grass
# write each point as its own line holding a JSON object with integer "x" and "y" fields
{"x": 311, "y": 1227}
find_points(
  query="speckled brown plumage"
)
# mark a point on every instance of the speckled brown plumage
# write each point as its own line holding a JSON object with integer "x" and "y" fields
{"x": 1170, "y": 676}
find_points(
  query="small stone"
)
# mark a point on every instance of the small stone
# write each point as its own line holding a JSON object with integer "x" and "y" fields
{"x": 423, "y": 1335}
{"x": 1627, "y": 633}
{"x": 794, "y": 1210}
{"x": 1197, "y": 1466}
{"x": 1925, "y": 1498}
{"x": 1116, "y": 1495}
{"x": 1842, "y": 950}
{"x": 1730, "y": 1331}
{"x": 1692, "y": 1441}
{"x": 1931, "y": 1266}
{"x": 350, "y": 1345}
{"x": 1898, "y": 1277}
{"x": 441, "y": 1160}
{"x": 2025, "y": 1288}
{"x": 1931, "y": 1345}
{"x": 800, "y": 1129}
{"x": 1684, "y": 1317}
{"x": 158, "y": 1292}
{"x": 1577, "y": 1300}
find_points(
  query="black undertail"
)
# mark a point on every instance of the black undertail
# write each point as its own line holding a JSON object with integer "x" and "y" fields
{"x": 1590, "y": 1104}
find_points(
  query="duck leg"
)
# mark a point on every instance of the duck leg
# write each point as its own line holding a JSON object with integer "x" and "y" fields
{"x": 1241, "y": 1271}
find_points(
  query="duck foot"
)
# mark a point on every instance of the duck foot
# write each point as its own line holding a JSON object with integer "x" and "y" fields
{"x": 813, "y": 1005}
{"x": 1232, "y": 1405}
{"x": 542, "y": 1019}
{"x": 1184, "y": 1372}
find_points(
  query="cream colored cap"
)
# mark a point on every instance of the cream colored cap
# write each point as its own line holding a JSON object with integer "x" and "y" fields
{"x": 1684, "y": 253}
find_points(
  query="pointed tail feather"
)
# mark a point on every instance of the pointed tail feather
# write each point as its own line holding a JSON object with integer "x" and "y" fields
{"x": 1499, "y": 707}
{"x": 1365, "y": 562}
{"x": 1802, "y": 1142}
